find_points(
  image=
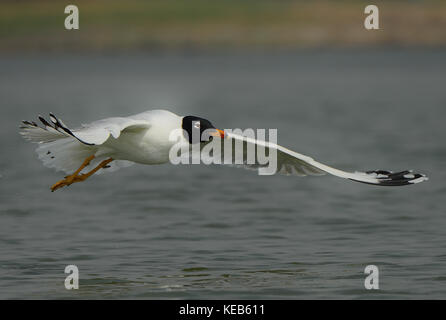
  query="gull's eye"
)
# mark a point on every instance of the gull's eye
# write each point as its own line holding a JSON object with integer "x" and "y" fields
{"x": 197, "y": 125}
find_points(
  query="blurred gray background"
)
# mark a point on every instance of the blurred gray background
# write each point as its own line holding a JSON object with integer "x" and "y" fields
{"x": 351, "y": 98}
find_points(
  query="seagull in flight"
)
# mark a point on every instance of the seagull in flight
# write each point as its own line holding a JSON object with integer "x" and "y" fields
{"x": 117, "y": 142}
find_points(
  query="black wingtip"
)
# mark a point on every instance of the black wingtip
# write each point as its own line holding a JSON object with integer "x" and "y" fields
{"x": 391, "y": 179}
{"x": 53, "y": 119}
{"x": 45, "y": 123}
{"x": 28, "y": 123}
{"x": 58, "y": 124}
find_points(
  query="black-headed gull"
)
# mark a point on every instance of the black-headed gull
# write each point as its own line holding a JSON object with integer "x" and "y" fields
{"x": 144, "y": 138}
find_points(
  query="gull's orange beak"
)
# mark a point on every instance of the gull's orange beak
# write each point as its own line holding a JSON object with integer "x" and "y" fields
{"x": 218, "y": 133}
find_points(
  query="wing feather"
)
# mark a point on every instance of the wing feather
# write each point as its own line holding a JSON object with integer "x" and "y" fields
{"x": 290, "y": 162}
{"x": 98, "y": 132}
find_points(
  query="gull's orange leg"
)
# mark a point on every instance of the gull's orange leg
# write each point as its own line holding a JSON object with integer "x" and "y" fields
{"x": 75, "y": 177}
{"x": 84, "y": 176}
{"x": 69, "y": 179}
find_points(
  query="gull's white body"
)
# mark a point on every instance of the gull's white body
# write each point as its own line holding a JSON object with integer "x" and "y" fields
{"x": 145, "y": 138}
{"x": 142, "y": 138}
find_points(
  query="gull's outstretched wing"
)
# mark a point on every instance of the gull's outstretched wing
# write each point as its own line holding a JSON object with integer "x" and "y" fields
{"x": 290, "y": 162}
{"x": 95, "y": 133}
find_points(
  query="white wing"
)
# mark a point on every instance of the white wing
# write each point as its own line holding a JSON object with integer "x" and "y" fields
{"x": 95, "y": 133}
{"x": 290, "y": 162}
{"x": 65, "y": 149}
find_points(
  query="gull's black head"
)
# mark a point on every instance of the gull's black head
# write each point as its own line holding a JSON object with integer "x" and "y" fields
{"x": 191, "y": 124}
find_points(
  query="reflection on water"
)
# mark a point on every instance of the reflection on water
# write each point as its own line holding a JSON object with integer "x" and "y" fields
{"x": 221, "y": 232}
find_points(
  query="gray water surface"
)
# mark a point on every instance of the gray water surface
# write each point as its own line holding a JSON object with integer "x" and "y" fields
{"x": 214, "y": 232}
